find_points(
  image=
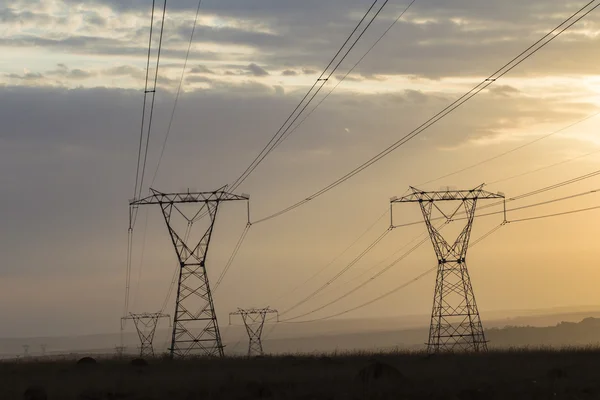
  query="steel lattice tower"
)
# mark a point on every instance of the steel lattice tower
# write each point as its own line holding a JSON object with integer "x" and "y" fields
{"x": 455, "y": 322}
{"x": 195, "y": 327}
{"x": 145, "y": 325}
{"x": 254, "y": 321}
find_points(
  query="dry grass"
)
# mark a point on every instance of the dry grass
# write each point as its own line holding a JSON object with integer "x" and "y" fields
{"x": 517, "y": 374}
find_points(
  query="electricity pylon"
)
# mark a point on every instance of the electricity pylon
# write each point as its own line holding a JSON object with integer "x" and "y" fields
{"x": 455, "y": 322}
{"x": 254, "y": 321}
{"x": 145, "y": 325}
{"x": 195, "y": 327}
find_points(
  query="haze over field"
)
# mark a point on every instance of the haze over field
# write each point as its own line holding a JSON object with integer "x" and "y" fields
{"x": 71, "y": 77}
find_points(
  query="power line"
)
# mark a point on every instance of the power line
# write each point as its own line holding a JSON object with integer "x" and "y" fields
{"x": 138, "y": 166}
{"x": 354, "y": 290}
{"x": 330, "y": 263}
{"x": 141, "y": 165}
{"x": 187, "y": 55}
{"x": 339, "y": 274}
{"x": 372, "y": 278}
{"x": 160, "y": 38}
{"x": 387, "y": 294}
{"x": 530, "y": 51}
{"x": 320, "y": 82}
{"x": 544, "y": 167}
{"x": 555, "y": 214}
{"x": 519, "y": 197}
{"x": 232, "y": 257}
{"x": 349, "y": 71}
{"x": 510, "y": 151}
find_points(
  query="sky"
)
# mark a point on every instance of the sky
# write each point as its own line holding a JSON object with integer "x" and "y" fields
{"x": 71, "y": 91}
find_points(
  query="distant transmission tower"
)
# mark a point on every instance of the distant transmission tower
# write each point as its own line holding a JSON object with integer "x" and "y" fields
{"x": 254, "y": 320}
{"x": 120, "y": 351}
{"x": 195, "y": 327}
{"x": 25, "y": 350}
{"x": 145, "y": 325}
{"x": 455, "y": 322}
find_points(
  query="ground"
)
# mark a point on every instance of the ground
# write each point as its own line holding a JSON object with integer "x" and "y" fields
{"x": 522, "y": 374}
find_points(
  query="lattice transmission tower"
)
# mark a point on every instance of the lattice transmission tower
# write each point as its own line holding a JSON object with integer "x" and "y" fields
{"x": 145, "y": 325}
{"x": 195, "y": 328}
{"x": 254, "y": 321}
{"x": 455, "y": 322}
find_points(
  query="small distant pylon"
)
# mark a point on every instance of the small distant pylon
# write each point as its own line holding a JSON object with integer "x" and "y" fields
{"x": 254, "y": 321}
{"x": 25, "y": 350}
{"x": 145, "y": 324}
{"x": 455, "y": 322}
{"x": 43, "y": 348}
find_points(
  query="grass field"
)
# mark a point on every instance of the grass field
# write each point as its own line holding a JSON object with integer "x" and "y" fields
{"x": 518, "y": 374}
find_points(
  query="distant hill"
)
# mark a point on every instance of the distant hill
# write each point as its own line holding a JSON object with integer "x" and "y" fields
{"x": 586, "y": 332}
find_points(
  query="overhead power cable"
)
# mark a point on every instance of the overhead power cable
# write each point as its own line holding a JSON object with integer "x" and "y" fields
{"x": 516, "y": 61}
{"x": 142, "y": 160}
{"x": 142, "y": 130}
{"x": 518, "y": 197}
{"x": 339, "y": 274}
{"x": 514, "y": 149}
{"x": 348, "y": 72}
{"x": 232, "y": 257}
{"x": 330, "y": 263}
{"x": 152, "y": 103}
{"x": 391, "y": 257}
{"x": 568, "y": 160}
{"x": 187, "y": 56}
{"x": 314, "y": 90}
{"x": 555, "y": 214}
{"x": 387, "y": 294}
{"x": 358, "y": 287}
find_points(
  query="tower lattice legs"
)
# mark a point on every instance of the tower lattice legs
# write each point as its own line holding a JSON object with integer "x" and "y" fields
{"x": 195, "y": 327}
{"x": 455, "y": 322}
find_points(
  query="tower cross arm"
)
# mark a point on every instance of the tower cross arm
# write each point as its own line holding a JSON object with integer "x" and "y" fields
{"x": 418, "y": 196}
{"x": 187, "y": 197}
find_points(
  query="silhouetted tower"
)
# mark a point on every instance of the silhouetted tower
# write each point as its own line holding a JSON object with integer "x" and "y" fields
{"x": 254, "y": 321}
{"x": 455, "y": 322}
{"x": 145, "y": 325}
{"x": 25, "y": 350}
{"x": 195, "y": 327}
{"x": 43, "y": 348}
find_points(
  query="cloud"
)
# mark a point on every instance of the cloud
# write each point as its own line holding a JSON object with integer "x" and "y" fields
{"x": 201, "y": 69}
{"x": 504, "y": 90}
{"x": 96, "y": 19}
{"x": 256, "y": 70}
{"x": 349, "y": 78}
{"x": 289, "y": 72}
{"x": 125, "y": 70}
{"x": 63, "y": 71}
{"x": 198, "y": 79}
{"x": 28, "y": 76}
